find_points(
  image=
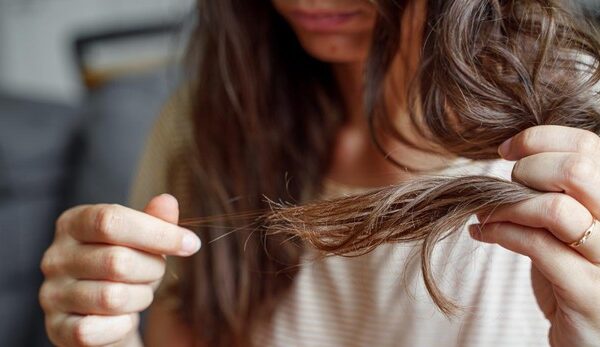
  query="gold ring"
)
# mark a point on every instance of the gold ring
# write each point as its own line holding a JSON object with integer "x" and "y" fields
{"x": 586, "y": 235}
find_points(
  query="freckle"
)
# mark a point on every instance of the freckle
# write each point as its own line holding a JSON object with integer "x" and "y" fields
{"x": 333, "y": 49}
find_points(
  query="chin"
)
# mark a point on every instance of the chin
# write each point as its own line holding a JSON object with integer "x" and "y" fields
{"x": 333, "y": 31}
{"x": 335, "y": 48}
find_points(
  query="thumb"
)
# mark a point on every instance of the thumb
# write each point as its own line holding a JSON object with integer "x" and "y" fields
{"x": 164, "y": 207}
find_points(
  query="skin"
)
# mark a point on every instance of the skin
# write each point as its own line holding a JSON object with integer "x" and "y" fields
{"x": 565, "y": 279}
{"x": 103, "y": 267}
{"x": 91, "y": 295}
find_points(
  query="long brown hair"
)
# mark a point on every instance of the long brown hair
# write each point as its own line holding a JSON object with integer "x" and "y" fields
{"x": 266, "y": 114}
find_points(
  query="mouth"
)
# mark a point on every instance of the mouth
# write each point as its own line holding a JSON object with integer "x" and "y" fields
{"x": 316, "y": 20}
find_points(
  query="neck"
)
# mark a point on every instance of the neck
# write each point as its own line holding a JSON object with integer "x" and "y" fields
{"x": 356, "y": 161}
{"x": 350, "y": 78}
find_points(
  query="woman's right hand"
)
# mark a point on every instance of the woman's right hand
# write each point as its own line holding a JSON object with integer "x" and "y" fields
{"x": 103, "y": 267}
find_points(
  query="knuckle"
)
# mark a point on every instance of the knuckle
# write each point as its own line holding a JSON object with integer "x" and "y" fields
{"x": 578, "y": 169}
{"x": 113, "y": 297}
{"x": 558, "y": 208}
{"x": 588, "y": 143}
{"x": 50, "y": 263}
{"x": 528, "y": 138}
{"x": 106, "y": 217}
{"x": 45, "y": 296}
{"x": 119, "y": 263}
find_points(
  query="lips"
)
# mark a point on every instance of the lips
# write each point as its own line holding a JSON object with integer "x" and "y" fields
{"x": 323, "y": 20}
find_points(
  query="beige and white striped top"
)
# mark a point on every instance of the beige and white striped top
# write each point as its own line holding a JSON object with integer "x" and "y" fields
{"x": 379, "y": 299}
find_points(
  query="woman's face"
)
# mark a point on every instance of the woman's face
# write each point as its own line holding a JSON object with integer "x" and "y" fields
{"x": 334, "y": 31}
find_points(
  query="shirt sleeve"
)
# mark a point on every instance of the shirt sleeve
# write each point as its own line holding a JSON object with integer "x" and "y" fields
{"x": 169, "y": 137}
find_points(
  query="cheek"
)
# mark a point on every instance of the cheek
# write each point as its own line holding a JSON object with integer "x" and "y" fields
{"x": 336, "y": 48}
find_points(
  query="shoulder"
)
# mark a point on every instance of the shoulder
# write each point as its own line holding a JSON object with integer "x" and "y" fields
{"x": 168, "y": 140}
{"x": 173, "y": 128}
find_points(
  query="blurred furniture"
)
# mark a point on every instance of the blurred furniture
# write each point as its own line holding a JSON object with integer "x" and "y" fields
{"x": 129, "y": 73}
{"x": 117, "y": 118}
{"x": 36, "y": 163}
{"x": 35, "y": 36}
{"x": 108, "y": 55}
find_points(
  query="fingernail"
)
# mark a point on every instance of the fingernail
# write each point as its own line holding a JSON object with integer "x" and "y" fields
{"x": 190, "y": 243}
{"x": 504, "y": 148}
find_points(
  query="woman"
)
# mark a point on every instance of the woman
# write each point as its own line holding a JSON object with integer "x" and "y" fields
{"x": 278, "y": 112}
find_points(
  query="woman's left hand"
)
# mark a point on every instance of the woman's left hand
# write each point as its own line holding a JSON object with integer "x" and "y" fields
{"x": 565, "y": 163}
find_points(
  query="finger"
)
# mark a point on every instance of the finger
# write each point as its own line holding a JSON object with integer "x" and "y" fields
{"x": 101, "y": 298}
{"x": 571, "y": 274}
{"x": 543, "y": 138}
{"x": 165, "y": 207}
{"x": 118, "y": 225}
{"x": 563, "y": 216}
{"x": 73, "y": 330}
{"x": 573, "y": 174}
{"x": 101, "y": 262}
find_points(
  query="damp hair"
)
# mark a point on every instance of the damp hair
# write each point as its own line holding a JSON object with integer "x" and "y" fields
{"x": 489, "y": 69}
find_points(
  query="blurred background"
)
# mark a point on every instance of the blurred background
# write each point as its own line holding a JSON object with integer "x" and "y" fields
{"x": 81, "y": 83}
